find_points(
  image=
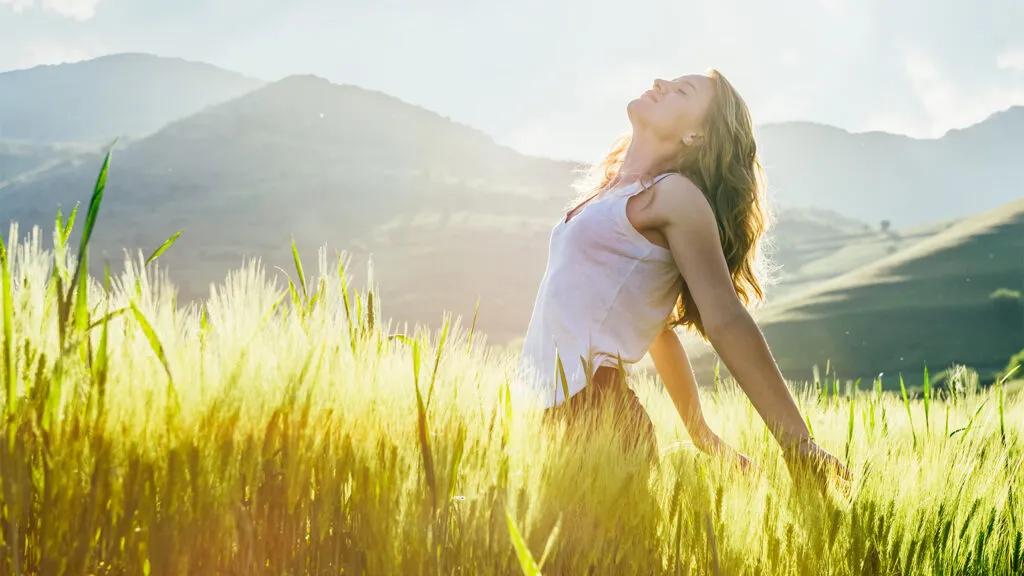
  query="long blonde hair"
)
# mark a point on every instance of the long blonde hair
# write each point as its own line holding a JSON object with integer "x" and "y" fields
{"x": 727, "y": 169}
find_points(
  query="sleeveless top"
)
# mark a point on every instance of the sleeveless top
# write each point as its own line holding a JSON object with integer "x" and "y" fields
{"x": 607, "y": 292}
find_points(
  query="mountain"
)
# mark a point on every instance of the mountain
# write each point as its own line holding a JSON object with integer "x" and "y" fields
{"x": 877, "y": 176}
{"x": 119, "y": 95}
{"x": 446, "y": 214}
{"x": 927, "y": 304}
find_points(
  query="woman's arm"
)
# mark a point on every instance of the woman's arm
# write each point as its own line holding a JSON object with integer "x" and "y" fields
{"x": 685, "y": 218}
{"x": 673, "y": 366}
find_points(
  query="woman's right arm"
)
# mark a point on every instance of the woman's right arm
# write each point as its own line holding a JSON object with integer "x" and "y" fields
{"x": 674, "y": 367}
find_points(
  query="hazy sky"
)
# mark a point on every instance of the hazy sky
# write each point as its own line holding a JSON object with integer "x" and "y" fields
{"x": 553, "y": 77}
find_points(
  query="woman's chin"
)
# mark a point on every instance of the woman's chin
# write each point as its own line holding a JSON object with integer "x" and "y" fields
{"x": 636, "y": 112}
{"x": 634, "y": 109}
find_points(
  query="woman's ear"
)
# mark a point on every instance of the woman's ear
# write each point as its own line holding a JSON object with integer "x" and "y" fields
{"x": 692, "y": 139}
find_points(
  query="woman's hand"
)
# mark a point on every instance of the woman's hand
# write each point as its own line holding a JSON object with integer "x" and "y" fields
{"x": 712, "y": 444}
{"x": 809, "y": 462}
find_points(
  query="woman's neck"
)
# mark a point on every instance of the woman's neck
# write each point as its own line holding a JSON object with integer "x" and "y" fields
{"x": 644, "y": 157}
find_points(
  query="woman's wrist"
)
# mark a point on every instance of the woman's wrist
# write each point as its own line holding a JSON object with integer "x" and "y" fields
{"x": 794, "y": 444}
{"x": 706, "y": 440}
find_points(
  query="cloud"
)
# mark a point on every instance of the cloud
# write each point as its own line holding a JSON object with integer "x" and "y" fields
{"x": 1012, "y": 59}
{"x": 18, "y": 5}
{"x": 77, "y": 9}
{"x": 945, "y": 104}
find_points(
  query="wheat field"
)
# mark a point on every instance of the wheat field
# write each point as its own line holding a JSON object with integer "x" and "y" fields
{"x": 293, "y": 430}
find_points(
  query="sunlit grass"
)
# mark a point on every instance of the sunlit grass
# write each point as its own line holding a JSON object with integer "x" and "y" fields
{"x": 292, "y": 430}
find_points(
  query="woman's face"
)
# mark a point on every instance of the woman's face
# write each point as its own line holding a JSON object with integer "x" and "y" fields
{"x": 673, "y": 109}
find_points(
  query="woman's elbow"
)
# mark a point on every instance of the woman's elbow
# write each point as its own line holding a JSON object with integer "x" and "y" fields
{"x": 723, "y": 319}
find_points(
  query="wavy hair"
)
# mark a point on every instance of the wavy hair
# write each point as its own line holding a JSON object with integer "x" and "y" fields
{"x": 726, "y": 167}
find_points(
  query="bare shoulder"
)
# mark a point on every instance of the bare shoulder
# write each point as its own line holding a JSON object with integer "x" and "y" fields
{"x": 678, "y": 201}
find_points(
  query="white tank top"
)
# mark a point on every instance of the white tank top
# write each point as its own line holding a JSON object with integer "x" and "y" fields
{"x": 607, "y": 291}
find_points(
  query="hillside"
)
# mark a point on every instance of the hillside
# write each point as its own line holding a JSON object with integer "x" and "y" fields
{"x": 927, "y": 304}
{"x": 814, "y": 245}
{"x": 878, "y": 176}
{"x": 446, "y": 214}
{"x": 120, "y": 95}
{"x": 20, "y": 161}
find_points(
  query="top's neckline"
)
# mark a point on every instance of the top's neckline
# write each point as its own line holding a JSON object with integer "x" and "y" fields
{"x": 594, "y": 198}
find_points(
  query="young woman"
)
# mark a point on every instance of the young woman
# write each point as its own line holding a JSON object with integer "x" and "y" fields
{"x": 668, "y": 237}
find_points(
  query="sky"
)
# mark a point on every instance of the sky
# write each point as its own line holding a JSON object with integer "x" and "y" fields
{"x": 553, "y": 77}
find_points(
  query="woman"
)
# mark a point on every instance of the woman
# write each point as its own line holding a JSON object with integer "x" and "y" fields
{"x": 668, "y": 237}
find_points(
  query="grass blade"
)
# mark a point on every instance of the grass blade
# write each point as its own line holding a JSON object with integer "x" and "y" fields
{"x": 906, "y": 402}
{"x": 369, "y": 311}
{"x": 66, "y": 232}
{"x": 472, "y": 328}
{"x": 94, "y": 211}
{"x": 90, "y": 224}
{"x": 298, "y": 269}
{"x": 163, "y": 247}
{"x": 999, "y": 391}
{"x": 101, "y": 363}
{"x": 970, "y": 422}
{"x": 423, "y": 429}
{"x": 158, "y": 349}
{"x": 321, "y": 288}
{"x": 560, "y": 377}
{"x": 927, "y": 397}
{"x": 7, "y": 294}
{"x": 849, "y": 432}
{"x": 296, "y": 304}
{"x": 81, "y": 315}
{"x": 107, "y": 317}
{"x": 526, "y": 561}
{"x": 437, "y": 361}
{"x": 550, "y": 544}
{"x": 347, "y": 303}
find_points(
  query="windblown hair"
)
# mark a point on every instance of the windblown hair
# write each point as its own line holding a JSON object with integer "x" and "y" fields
{"x": 726, "y": 167}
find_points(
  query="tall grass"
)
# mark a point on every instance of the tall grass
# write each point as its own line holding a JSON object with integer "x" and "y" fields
{"x": 255, "y": 433}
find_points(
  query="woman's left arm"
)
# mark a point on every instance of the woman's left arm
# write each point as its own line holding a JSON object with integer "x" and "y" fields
{"x": 688, "y": 223}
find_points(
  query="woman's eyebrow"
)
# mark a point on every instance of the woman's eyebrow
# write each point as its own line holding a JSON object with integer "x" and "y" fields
{"x": 692, "y": 85}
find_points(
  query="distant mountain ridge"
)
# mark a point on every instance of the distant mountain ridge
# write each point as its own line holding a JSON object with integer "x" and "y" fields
{"x": 876, "y": 176}
{"x": 110, "y": 96}
{"x": 870, "y": 176}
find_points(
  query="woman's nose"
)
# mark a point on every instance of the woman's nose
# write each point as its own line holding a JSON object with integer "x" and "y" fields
{"x": 659, "y": 84}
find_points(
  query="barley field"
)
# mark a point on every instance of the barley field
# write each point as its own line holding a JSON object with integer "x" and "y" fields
{"x": 294, "y": 430}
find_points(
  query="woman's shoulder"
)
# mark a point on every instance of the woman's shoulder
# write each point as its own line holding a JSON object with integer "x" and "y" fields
{"x": 675, "y": 194}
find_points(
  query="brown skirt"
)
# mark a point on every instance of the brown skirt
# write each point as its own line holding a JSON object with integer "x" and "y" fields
{"x": 608, "y": 388}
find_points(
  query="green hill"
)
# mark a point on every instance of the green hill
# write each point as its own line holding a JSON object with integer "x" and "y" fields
{"x": 813, "y": 245}
{"x": 928, "y": 303}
